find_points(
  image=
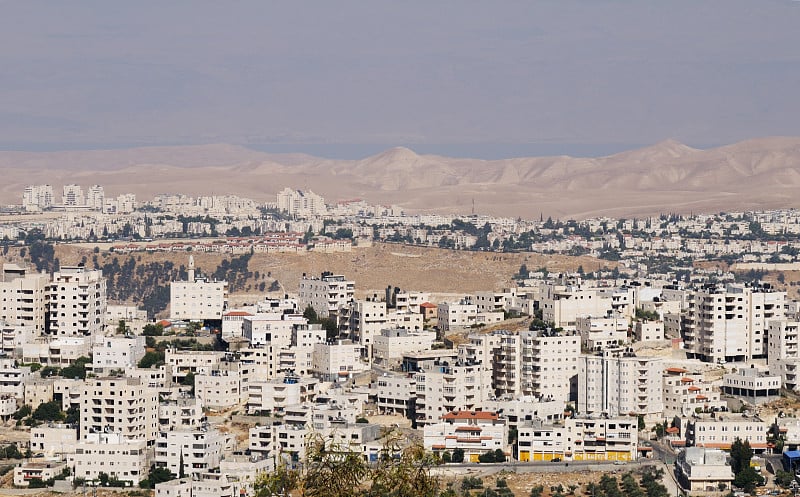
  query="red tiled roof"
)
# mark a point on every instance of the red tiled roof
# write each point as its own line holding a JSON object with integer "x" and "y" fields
{"x": 673, "y": 429}
{"x": 237, "y": 313}
{"x": 676, "y": 370}
{"x": 686, "y": 380}
{"x": 428, "y": 305}
{"x": 468, "y": 428}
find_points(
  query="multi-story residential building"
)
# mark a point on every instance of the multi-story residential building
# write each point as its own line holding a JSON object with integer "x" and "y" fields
{"x": 598, "y": 333}
{"x": 648, "y": 331}
{"x": 59, "y": 352}
{"x": 42, "y": 471}
{"x": 77, "y": 301}
{"x": 395, "y": 394}
{"x": 122, "y": 406}
{"x": 182, "y": 362}
{"x": 301, "y": 203}
{"x": 686, "y": 393}
{"x": 450, "y": 386}
{"x": 185, "y": 413}
{"x": 783, "y": 358}
{"x": 198, "y": 450}
{"x": 729, "y": 323}
{"x": 275, "y": 395}
{"x": 719, "y": 431}
{"x": 325, "y": 294}
{"x": 390, "y": 345}
{"x": 272, "y": 328}
{"x": 337, "y": 361}
{"x": 72, "y": 196}
{"x": 700, "y": 470}
{"x": 549, "y": 365}
{"x": 616, "y": 382}
{"x": 95, "y": 197}
{"x": 24, "y": 297}
{"x": 579, "y": 439}
{"x": 117, "y": 352}
{"x": 13, "y": 378}
{"x": 754, "y": 386}
{"x": 475, "y": 432}
{"x": 463, "y": 314}
{"x": 53, "y": 440}
{"x": 197, "y": 298}
{"x": 562, "y": 305}
{"x": 111, "y": 453}
{"x": 363, "y": 320}
{"x": 37, "y": 198}
{"x": 221, "y": 388}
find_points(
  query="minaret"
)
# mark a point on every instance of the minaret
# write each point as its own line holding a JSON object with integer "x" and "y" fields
{"x": 191, "y": 269}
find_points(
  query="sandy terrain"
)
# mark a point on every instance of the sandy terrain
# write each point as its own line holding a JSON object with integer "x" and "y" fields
{"x": 666, "y": 177}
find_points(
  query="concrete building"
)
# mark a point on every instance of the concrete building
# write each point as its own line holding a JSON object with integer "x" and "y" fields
{"x": 337, "y": 361}
{"x": 275, "y": 395}
{"x": 447, "y": 386}
{"x": 37, "y": 198}
{"x": 326, "y": 294}
{"x": 53, "y": 440}
{"x": 686, "y": 393}
{"x": 117, "y": 352}
{"x": 395, "y": 394}
{"x": 390, "y": 345}
{"x": 30, "y": 470}
{"x": 475, "y": 432}
{"x": 77, "y": 302}
{"x": 719, "y": 431}
{"x": 111, "y": 453}
{"x": 24, "y": 297}
{"x": 72, "y": 196}
{"x": 220, "y": 389}
{"x": 197, "y": 298}
{"x": 363, "y": 321}
{"x": 700, "y": 470}
{"x": 122, "y": 406}
{"x": 616, "y": 382}
{"x": 783, "y": 358}
{"x": 301, "y": 203}
{"x": 185, "y": 413}
{"x": 648, "y": 331}
{"x": 95, "y": 197}
{"x": 564, "y": 304}
{"x": 598, "y": 333}
{"x": 198, "y": 450}
{"x": 754, "y": 386}
{"x": 579, "y": 439}
{"x": 730, "y": 323}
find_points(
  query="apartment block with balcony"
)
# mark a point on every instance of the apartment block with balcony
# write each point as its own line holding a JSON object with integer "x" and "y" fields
{"x": 783, "y": 358}
{"x": 475, "y": 432}
{"x": 326, "y": 294}
{"x": 579, "y": 439}
{"x": 24, "y": 297}
{"x": 616, "y": 382}
{"x": 123, "y": 406}
{"x": 198, "y": 450}
{"x": 450, "y": 386}
{"x": 77, "y": 302}
{"x": 686, "y": 393}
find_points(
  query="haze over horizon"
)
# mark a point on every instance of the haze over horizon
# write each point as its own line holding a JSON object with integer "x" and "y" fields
{"x": 347, "y": 80}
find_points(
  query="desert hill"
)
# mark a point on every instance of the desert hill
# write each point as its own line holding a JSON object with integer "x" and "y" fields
{"x": 668, "y": 176}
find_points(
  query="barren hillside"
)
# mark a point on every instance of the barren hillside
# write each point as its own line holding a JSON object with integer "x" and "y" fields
{"x": 668, "y": 176}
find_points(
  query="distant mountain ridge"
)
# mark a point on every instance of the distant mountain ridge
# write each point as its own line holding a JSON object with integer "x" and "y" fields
{"x": 666, "y": 177}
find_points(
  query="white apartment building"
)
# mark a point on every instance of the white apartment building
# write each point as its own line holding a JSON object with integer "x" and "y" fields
{"x": 219, "y": 389}
{"x": 72, "y": 196}
{"x": 363, "y": 320}
{"x": 37, "y": 198}
{"x": 197, "y": 298}
{"x": 77, "y": 301}
{"x": 95, "y": 197}
{"x": 783, "y": 357}
{"x": 456, "y": 315}
{"x": 616, "y": 383}
{"x": 395, "y": 394}
{"x": 700, "y": 470}
{"x": 729, "y": 323}
{"x": 111, "y": 453}
{"x": 301, "y": 203}
{"x": 13, "y": 337}
{"x": 198, "y": 450}
{"x": 598, "y": 333}
{"x": 752, "y": 385}
{"x": 325, "y": 294}
{"x": 337, "y": 361}
{"x": 182, "y": 362}
{"x": 272, "y": 328}
{"x": 24, "y": 297}
{"x": 450, "y": 386}
{"x": 686, "y": 393}
{"x": 117, "y": 352}
{"x": 648, "y": 331}
{"x": 29, "y": 470}
{"x": 59, "y": 352}
{"x": 122, "y": 406}
{"x": 13, "y": 378}
{"x": 390, "y": 345}
{"x": 53, "y": 440}
{"x": 504, "y": 300}
{"x": 720, "y": 431}
{"x": 410, "y": 301}
{"x": 579, "y": 439}
{"x": 563, "y": 305}
{"x": 475, "y": 432}
{"x": 275, "y": 396}
{"x": 185, "y": 413}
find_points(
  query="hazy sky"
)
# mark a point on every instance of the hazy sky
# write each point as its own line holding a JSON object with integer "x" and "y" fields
{"x": 583, "y": 74}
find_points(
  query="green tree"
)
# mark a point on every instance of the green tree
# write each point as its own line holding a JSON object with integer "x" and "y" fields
{"x": 153, "y": 330}
{"x": 152, "y": 358}
{"x": 458, "y": 455}
{"x": 48, "y": 411}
